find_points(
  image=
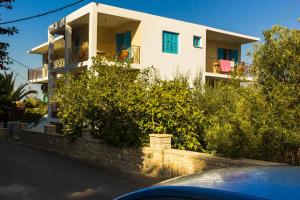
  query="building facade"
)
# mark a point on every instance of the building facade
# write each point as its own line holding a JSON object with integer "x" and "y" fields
{"x": 148, "y": 40}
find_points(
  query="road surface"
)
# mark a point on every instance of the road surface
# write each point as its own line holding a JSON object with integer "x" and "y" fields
{"x": 30, "y": 174}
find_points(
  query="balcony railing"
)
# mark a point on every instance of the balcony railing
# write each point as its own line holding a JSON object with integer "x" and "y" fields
{"x": 111, "y": 50}
{"x": 213, "y": 65}
{"x": 38, "y": 74}
{"x": 59, "y": 58}
{"x": 75, "y": 55}
{"x": 78, "y": 54}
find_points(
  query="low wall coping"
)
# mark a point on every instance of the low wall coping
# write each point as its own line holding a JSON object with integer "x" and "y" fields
{"x": 198, "y": 155}
{"x": 160, "y": 135}
{"x": 50, "y": 125}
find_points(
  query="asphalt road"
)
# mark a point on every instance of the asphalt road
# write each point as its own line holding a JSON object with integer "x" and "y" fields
{"x": 30, "y": 174}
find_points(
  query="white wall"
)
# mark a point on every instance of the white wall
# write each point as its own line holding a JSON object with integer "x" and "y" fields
{"x": 189, "y": 59}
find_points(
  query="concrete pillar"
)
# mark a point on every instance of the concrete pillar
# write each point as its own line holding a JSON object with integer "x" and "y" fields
{"x": 93, "y": 26}
{"x": 51, "y": 76}
{"x": 50, "y": 50}
{"x": 68, "y": 44}
{"x": 49, "y": 129}
{"x": 160, "y": 141}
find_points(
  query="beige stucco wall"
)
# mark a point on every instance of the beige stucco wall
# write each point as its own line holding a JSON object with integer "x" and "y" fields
{"x": 105, "y": 40}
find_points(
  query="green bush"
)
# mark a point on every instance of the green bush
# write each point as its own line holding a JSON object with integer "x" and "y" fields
{"x": 122, "y": 105}
{"x": 169, "y": 108}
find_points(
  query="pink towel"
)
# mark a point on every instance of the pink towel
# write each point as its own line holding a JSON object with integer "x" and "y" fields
{"x": 225, "y": 66}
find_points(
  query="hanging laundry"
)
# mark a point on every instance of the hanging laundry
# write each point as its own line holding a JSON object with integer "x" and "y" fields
{"x": 225, "y": 66}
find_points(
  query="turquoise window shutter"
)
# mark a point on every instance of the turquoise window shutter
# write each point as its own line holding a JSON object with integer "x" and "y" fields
{"x": 175, "y": 43}
{"x": 127, "y": 40}
{"x": 220, "y": 53}
{"x": 170, "y": 42}
{"x": 236, "y": 56}
{"x": 119, "y": 42}
{"x": 163, "y": 42}
{"x": 197, "y": 41}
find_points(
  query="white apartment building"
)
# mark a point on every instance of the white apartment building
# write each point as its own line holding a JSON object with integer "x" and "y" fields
{"x": 148, "y": 40}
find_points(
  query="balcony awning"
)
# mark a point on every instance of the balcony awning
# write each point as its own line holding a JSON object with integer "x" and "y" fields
{"x": 229, "y": 37}
{"x": 59, "y": 43}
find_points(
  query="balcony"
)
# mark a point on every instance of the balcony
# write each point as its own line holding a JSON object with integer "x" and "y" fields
{"x": 213, "y": 67}
{"x": 59, "y": 58}
{"x": 78, "y": 54}
{"x": 38, "y": 75}
{"x": 131, "y": 54}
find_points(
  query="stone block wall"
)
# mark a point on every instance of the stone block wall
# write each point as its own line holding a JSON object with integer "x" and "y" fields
{"x": 158, "y": 160}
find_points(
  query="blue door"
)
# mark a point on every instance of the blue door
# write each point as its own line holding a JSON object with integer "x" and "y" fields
{"x": 119, "y": 42}
{"x": 127, "y": 40}
{"x": 123, "y": 41}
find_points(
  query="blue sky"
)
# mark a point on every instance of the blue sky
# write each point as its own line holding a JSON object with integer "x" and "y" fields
{"x": 249, "y": 17}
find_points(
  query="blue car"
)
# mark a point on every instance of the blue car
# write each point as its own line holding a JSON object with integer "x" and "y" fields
{"x": 253, "y": 183}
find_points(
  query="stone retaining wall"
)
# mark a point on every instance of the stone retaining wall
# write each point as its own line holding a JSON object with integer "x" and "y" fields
{"x": 158, "y": 160}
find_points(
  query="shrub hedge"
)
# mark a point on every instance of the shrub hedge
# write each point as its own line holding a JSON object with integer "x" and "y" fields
{"x": 122, "y": 106}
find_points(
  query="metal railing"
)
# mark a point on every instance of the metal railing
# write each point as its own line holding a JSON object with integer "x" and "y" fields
{"x": 75, "y": 55}
{"x": 244, "y": 69}
{"x": 59, "y": 58}
{"x": 78, "y": 54}
{"x": 38, "y": 73}
{"x": 111, "y": 50}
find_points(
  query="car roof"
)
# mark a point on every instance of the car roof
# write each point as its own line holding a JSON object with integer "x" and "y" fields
{"x": 277, "y": 182}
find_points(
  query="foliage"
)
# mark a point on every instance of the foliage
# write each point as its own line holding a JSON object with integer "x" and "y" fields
{"x": 103, "y": 105}
{"x": 122, "y": 105}
{"x": 278, "y": 64}
{"x": 4, "y": 58}
{"x": 34, "y": 109}
{"x": 9, "y": 96}
{"x": 261, "y": 121}
{"x": 169, "y": 108}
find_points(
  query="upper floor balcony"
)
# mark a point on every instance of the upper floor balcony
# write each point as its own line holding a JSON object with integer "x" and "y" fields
{"x": 223, "y": 54}
{"x": 38, "y": 75}
{"x": 227, "y": 67}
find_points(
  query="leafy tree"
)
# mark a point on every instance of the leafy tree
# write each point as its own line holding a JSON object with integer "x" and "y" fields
{"x": 122, "y": 105}
{"x": 261, "y": 121}
{"x": 9, "y": 96}
{"x": 278, "y": 64}
{"x": 4, "y": 58}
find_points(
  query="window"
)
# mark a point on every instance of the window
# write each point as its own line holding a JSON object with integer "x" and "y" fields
{"x": 228, "y": 54}
{"x": 170, "y": 42}
{"x": 197, "y": 42}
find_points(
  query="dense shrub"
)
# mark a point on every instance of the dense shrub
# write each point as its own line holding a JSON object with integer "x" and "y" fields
{"x": 169, "y": 108}
{"x": 122, "y": 105}
{"x": 262, "y": 121}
